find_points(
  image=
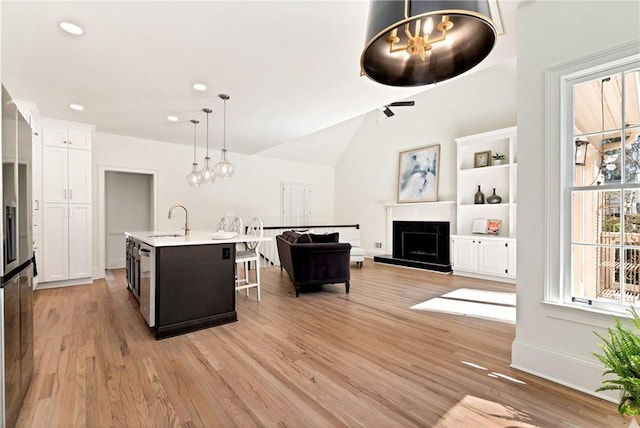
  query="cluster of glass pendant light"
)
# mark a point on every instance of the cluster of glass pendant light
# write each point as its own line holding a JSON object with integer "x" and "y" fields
{"x": 224, "y": 168}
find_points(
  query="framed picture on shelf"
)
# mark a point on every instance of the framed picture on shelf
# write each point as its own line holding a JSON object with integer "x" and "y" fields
{"x": 481, "y": 159}
{"x": 493, "y": 226}
{"x": 479, "y": 225}
{"x": 418, "y": 174}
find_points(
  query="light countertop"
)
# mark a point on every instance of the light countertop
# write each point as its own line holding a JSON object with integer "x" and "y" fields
{"x": 195, "y": 237}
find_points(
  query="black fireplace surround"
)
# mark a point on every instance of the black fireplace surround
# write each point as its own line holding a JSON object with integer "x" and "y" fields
{"x": 420, "y": 244}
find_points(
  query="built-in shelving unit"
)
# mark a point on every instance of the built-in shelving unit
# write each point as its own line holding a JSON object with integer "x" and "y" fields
{"x": 491, "y": 256}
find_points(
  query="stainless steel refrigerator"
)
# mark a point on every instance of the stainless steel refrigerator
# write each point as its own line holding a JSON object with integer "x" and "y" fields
{"x": 16, "y": 294}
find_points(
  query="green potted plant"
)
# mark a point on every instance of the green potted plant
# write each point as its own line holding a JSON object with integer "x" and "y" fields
{"x": 621, "y": 357}
{"x": 498, "y": 158}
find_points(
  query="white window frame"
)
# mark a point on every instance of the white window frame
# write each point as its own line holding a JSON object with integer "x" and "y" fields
{"x": 559, "y": 157}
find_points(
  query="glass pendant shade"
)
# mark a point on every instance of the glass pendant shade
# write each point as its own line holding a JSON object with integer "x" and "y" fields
{"x": 207, "y": 174}
{"x": 224, "y": 168}
{"x": 194, "y": 179}
{"x": 420, "y": 42}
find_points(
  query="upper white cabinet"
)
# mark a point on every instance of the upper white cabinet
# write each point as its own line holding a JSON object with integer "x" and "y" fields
{"x": 66, "y": 175}
{"x": 66, "y": 165}
{"x": 57, "y": 136}
{"x": 494, "y": 254}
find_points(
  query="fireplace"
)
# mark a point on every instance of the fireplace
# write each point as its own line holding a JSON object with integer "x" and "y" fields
{"x": 421, "y": 244}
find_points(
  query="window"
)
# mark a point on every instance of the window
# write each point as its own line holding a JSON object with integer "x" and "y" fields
{"x": 600, "y": 186}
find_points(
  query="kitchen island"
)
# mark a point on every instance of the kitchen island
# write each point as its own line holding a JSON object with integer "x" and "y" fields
{"x": 183, "y": 283}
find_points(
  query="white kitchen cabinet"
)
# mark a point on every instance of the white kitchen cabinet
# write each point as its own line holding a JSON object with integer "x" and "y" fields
{"x": 67, "y": 250}
{"x": 55, "y": 251}
{"x": 67, "y": 242}
{"x": 484, "y": 257}
{"x": 61, "y": 136}
{"x": 66, "y": 175}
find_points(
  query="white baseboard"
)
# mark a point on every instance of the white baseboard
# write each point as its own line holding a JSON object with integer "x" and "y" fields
{"x": 65, "y": 283}
{"x": 483, "y": 276}
{"x": 565, "y": 369}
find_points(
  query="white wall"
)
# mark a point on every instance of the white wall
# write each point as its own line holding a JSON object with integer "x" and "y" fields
{"x": 553, "y": 33}
{"x": 367, "y": 173}
{"x": 254, "y": 190}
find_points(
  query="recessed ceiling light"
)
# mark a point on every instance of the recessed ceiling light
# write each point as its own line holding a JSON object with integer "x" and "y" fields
{"x": 71, "y": 28}
{"x": 76, "y": 107}
{"x": 200, "y": 87}
{"x": 172, "y": 118}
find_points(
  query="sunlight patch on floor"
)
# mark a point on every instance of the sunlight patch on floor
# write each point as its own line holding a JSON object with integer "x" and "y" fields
{"x": 494, "y": 305}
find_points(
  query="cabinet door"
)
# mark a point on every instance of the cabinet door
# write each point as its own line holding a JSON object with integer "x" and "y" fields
{"x": 55, "y": 245}
{"x": 54, "y": 174}
{"x": 79, "y": 140}
{"x": 492, "y": 257}
{"x": 54, "y": 137}
{"x": 80, "y": 241}
{"x": 511, "y": 258}
{"x": 465, "y": 254}
{"x": 79, "y": 186}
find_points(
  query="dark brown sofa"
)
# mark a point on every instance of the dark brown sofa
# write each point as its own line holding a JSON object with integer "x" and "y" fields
{"x": 314, "y": 259}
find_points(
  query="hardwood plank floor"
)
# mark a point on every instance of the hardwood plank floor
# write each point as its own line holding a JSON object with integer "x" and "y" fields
{"x": 323, "y": 359}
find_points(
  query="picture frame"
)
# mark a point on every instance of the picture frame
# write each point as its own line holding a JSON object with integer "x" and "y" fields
{"x": 482, "y": 159}
{"x": 418, "y": 174}
{"x": 479, "y": 225}
{"x": 493, "y": 226}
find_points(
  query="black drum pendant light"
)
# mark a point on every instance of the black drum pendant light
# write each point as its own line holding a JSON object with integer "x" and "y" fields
{"x": 413, "y": 43}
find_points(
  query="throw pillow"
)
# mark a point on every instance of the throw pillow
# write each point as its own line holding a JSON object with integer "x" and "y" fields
{"x": 325, "y": 238}
{"x": 304, "y": 239}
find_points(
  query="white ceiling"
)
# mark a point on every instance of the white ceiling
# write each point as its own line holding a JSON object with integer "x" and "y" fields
{"x": 291, "y": 67}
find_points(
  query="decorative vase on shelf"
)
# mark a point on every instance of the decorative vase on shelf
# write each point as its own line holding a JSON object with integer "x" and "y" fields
{"x": 493, "y": 198}
{"x": 478, "y": 198}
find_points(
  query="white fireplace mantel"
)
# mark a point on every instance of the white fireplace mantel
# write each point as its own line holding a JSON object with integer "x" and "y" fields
{"x": 422, "y": 211}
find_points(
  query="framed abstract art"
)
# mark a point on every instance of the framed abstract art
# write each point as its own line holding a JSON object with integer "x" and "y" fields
{"x": 418, "y": 174}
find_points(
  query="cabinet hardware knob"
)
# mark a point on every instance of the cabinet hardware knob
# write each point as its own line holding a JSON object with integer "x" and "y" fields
{"x": 506, "y": 271}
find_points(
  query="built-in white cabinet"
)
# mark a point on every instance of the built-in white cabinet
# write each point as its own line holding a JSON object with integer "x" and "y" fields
{"x": 66, "y": 193}
{"x": 67, "y": 165}
{"x": 486, "y": 255}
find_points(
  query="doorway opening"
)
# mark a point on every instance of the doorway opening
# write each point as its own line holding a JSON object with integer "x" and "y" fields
{"x": 128, "y": 200}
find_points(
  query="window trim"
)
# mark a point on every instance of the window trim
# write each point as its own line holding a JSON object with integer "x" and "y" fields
{"x": 558, "y": 130}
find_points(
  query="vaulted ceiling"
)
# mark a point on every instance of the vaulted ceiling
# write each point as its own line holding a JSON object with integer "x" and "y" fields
{"x": 291, "y": 67}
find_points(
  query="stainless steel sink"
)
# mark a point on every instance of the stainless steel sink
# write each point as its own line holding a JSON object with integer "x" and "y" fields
{"x": 166, "y": 235}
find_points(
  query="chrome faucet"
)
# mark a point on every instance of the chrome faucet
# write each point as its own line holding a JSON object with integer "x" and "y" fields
{"x": 186, "y": 217}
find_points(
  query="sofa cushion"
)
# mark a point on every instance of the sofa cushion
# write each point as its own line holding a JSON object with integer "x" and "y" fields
{"x": 324, "y": 238}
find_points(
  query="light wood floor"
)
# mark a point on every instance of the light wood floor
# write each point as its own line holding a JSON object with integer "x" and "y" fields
{"x": 321, "y": 360}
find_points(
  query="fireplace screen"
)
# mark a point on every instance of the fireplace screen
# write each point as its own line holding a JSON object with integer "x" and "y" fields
{"x": 422, "y": 241}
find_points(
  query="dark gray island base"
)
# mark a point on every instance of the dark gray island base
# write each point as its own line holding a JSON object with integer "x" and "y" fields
{"x": 195, "y": 288}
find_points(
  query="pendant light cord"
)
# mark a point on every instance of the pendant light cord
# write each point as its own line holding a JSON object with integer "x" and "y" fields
{"x": 207, "y": 111}
{"x": 195, "y": 125}
{"x": 224, "y": 132}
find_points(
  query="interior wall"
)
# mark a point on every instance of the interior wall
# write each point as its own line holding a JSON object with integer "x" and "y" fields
{"x": 367, "y": 173}
{"x": 555, "y": 346}
{"x": 254, "y": 190}
{"x": 128, "y": 207}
